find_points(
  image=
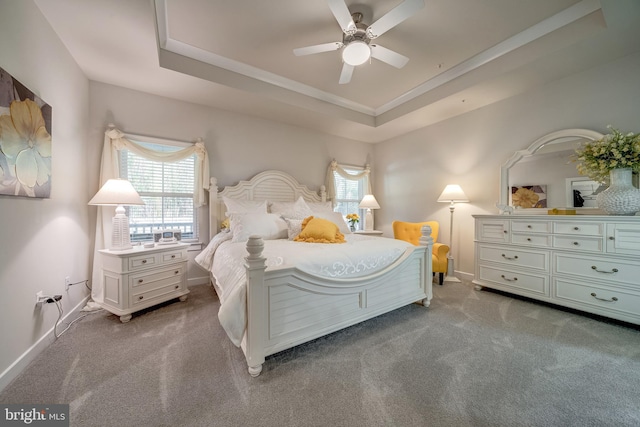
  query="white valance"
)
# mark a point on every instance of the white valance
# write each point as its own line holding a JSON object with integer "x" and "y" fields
{"x": 335, "y": 167}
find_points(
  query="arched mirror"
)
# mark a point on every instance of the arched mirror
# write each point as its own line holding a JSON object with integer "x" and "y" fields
{"x": 543, "y": 177}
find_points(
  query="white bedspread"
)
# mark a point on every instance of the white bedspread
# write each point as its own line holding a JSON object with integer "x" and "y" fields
{"x": 360, "y": 256}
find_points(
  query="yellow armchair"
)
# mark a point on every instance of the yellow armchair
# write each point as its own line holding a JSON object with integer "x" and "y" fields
{"x": 411, "y": 232}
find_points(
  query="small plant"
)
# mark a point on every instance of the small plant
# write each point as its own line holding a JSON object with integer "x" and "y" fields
{"x": 353, "y": 219}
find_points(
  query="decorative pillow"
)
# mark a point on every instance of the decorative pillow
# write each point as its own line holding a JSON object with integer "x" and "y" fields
{"x": 318, "y": 230}
{"x": 236, "y": 206}
{"x": 336, "y": 218}
{"x": 293, "y": 210}
{"x": 268, "y": 226}
{"x": 294, "y": 227}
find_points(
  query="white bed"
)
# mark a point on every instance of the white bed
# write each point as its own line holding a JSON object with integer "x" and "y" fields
{"x": 287, "y": 305}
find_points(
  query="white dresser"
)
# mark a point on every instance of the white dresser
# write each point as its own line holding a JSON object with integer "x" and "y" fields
{"x": 142, "y": 277}
{"x": 590, "y": 263}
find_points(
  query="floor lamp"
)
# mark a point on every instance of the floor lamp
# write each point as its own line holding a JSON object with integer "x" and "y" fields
{"x": 452, "y": 194}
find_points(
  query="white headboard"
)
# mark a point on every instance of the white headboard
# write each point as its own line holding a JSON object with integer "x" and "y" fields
{"x": 269, "y": 185}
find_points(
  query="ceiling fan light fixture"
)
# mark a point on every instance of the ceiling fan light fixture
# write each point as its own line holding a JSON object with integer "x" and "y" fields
{"x": 356, "y": 53}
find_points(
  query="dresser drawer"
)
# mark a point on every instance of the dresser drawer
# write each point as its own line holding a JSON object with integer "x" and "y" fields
{"x": 531, "y": 226}
{"x": 142, "y": 261}
{"x": 598, "y": 297}
{"x": 173, "y": 256}
{"x": 529, "y": 282}
{"x": 623, "y": 272}
{"x": 579, "y": 228}
{"x": 541, "y": 240}
{"x": 538, "y": 260}
{"x": 578, "y": 243}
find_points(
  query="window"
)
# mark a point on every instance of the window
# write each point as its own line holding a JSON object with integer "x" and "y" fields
{"x": 349, "y": 192}
{"x": 167, "y": 190}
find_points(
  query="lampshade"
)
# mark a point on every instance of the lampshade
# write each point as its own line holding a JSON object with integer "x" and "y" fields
{"x": 369, "y": 202}
{"x": 116, "y": 192}
{"x": 356, "y": 53}
{"x": 453, "y": 194}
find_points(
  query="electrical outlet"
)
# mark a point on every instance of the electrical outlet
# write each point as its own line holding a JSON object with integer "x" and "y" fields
{"x": 67, "y": 283}
{"x": 40, "y": 298}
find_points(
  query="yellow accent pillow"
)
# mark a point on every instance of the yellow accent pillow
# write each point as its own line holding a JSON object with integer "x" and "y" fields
{"x": 318, "y": 230}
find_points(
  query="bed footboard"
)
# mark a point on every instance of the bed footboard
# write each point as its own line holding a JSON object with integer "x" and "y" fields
{"x": 287, "y": 307}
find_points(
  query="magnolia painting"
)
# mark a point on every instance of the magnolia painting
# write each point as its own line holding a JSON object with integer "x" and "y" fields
{"x": 529, "y": 196}
{"x": 25, "y": 141}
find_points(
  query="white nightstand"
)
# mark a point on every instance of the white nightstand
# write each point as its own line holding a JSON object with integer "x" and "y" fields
{"x": 369, "y": 232}
{"x": 141, "y": 277}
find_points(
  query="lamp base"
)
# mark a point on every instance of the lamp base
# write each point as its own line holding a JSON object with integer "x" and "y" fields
{"x": 450, "y": 278}
{"x": 368, "y": 220}
{"x": 120, "y": 237}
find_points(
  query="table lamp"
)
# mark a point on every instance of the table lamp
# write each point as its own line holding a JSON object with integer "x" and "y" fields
{"x": 118, "y": 192}
{"x": 369, "y": 202}
{"x": 452, "y": 194}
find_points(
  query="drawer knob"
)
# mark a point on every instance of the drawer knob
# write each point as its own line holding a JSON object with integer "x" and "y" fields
{"x": 176, "y": 272}
{"x": 144, "y": 261}
{"x": 140, "y": 280}
{"x": 528, "y": 239}
{"x": 177, "y": 287}
{"x": 613, "y": 270}
{"x": 504, "y": 231}
{"x": 612, "y": 238}
{"x": 509, "y": 280}
{"x": 613, "y": 299}
{"x": 529, "y": 227}
{"x": 576, "y": 228}
{"x": 576, "y": 244}
{"x": 509, "y": 258}
{"x": 140, "y": 297}
{"x": 173, "y": 256}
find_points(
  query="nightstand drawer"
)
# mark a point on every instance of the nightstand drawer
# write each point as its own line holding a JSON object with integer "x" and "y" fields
{"x": 164, "y": 292}
{"x": 141, "y": 261}
{"x": 173, "y": 256}
{"x": 142, "y": 279}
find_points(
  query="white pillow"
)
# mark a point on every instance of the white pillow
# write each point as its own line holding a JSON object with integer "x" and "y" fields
{"x": 321, "y": 206}
{"x": 237, "y": 206}
{"x": 336, "y": 218}
{"x": 268, "y": 226}
{"x": 293, "y": 210}
{"x": 294, "y": 227}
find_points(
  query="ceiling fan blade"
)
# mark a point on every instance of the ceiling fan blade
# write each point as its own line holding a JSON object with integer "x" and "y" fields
{"x": 390, "y": 57}
{"x": 319, "y": 48}
{"x": 343, "y": 16}
{"x": 404, "y": 10}
{"x": 345, "y": 75}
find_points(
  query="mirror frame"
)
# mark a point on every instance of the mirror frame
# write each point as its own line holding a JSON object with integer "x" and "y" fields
{"x": 551, "y": 138}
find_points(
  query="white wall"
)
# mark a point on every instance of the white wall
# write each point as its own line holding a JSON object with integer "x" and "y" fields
{"x": 239, "y": 146}
{"x": 412, "y": 170}
{"x": 43, "y": 240}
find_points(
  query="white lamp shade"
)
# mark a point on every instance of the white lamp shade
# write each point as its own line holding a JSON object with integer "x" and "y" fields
{"x": 369, "y": 202}
{"x": 116, "y": 192}
{"x": 356, "y": 53}
{"x": 453, "y": 194}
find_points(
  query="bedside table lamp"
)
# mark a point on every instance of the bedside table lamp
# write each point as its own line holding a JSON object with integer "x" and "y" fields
{"x": 118, "y": 192}
{"x": 368, "y": 202}
{"x": 452, "y": 194}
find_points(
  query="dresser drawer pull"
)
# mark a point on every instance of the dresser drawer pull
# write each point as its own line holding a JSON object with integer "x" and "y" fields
{"x": 509, "y": 258}
{"x": 144, "y": 261}
{"x": 528, "y": 239}
{"x": 576, "y": 244}
{"x": 529, "y": 227}
{"x": 612, "y": 238}
{"x": 613, "y": 299}
{"x": 504, "y": 231}
{"x": 176, "y": 272}
{"x": 576, "y": 228}
{"x": 140, "y": 297}
{"x": 177, "y": 287}
{"x": 613, "y": 270}
{"x": 509, "y": 280}
{"x": 173, "y": 256}
{"x": 140, "y": 280}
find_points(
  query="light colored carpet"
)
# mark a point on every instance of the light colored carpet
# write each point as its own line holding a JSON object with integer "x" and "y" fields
{"x": 471, "y": 359}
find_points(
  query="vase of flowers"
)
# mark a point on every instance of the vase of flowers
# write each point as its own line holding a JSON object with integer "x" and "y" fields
{"x": 353, "y": 219}
{"x": 612, "y": 160}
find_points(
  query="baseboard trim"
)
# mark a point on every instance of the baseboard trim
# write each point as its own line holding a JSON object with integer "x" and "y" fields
{"x": 193, "y": 281}
{"x": 38, "y": 347}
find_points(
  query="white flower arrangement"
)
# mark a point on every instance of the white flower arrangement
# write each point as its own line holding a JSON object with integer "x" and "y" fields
{"x": 613, "y": 151}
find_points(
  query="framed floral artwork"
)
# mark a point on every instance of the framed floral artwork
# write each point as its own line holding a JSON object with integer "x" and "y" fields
{"x": 529, "y": 196}
{"x": 25, "y": 141}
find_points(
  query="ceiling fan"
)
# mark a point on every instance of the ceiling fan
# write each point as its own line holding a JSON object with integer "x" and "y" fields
{"x": 356, "y": 41}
